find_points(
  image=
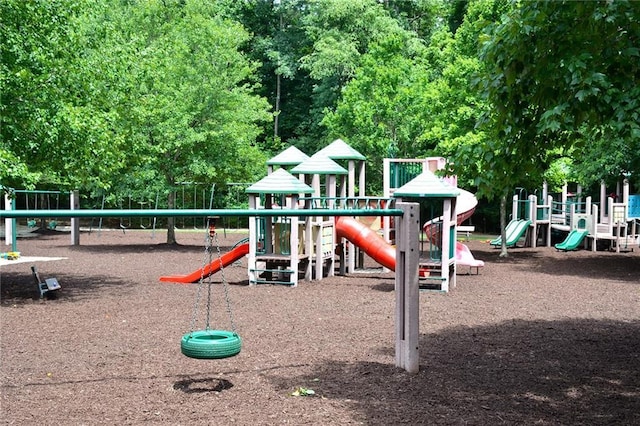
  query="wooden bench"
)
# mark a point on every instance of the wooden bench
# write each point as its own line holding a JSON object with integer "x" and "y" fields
{"x": 465, "y": 230}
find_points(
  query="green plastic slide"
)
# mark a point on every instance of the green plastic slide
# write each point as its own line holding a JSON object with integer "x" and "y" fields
{"x": 510, "y": 227}
{"x": 514, "y": 231}
{"x": 573, "y": 240}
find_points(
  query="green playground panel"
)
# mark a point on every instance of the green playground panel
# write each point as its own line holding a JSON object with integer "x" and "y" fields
{"x": 402, "y": 173}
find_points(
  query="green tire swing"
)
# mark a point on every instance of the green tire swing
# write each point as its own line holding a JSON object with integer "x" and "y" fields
{"x": 210, "y": 343}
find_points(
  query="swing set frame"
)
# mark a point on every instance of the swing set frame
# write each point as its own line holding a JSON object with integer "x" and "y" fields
{"x": 407, "y": 255}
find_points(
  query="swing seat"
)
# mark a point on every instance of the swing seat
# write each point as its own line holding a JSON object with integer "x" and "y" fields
{"x": 210, "y": 344}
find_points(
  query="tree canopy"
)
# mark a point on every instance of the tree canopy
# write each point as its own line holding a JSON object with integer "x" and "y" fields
{"x": 106, "y": 96}
{"x": 562, "y": 78}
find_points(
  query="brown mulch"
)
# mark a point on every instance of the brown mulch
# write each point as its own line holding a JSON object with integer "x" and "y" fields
{"x": 541, "y": 337}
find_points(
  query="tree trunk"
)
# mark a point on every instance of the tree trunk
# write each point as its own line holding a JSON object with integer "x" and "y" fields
{"x": 278, "y": 93}
{"x": 277, "y": 107}
{"x": 171, "y": 221}
{"x": 503, "y": 224}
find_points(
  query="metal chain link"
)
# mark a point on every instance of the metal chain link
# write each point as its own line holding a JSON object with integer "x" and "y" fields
{"x": 211, "y": 237}
{"x": 209, "y": 280}
{"x": 207, "y": 254}
{"x": 225, "y": 286}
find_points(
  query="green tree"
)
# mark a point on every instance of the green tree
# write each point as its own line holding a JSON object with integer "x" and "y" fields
{"x": 51, "y": 129}
{"x": 561, "y": 75}
{"x": 380, "y": 111}
{"x": 140, "y": 95}
{"x": 419, "y": 16}
{"x": 196, "y": 115}
{"x": 410, "y": 99}
{"x": 340, "y": 33}
{"x": 278, "y": 42}
{"x": 564, "y": 75}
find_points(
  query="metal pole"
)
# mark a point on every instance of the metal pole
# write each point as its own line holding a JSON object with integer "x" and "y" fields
{"x": 9, "y": 224}
{"x": 75, "y": 221}
{"x": 197, "y": 212}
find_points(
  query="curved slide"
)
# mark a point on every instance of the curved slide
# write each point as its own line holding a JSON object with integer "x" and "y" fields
{"x": 466, "y": 205}
{"x": 225, "y": 260}
{"x": 385, "y": 254}
{"x": 367, "y": 239}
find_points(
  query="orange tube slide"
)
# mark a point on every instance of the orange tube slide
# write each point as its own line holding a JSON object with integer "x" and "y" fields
{"x": 213, "y": 267}
{"x": 368, "y": 241}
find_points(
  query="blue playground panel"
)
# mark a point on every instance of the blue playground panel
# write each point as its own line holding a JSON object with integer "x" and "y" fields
{"x": 634, "y": 206}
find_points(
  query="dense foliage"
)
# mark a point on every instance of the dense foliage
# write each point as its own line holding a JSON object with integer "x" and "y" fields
{"x": 108, "y": 96}
{"x": 563, "y": 79}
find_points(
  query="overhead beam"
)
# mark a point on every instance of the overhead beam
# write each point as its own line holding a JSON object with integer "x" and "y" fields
{"x": 195, "y": 213}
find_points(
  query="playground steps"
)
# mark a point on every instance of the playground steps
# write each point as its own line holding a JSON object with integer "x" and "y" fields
{"x": 277, "y": 269}
{"x": 430, "y": 276}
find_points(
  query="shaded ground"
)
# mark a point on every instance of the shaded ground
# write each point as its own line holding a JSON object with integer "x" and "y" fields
{"x": 539, "y": 338}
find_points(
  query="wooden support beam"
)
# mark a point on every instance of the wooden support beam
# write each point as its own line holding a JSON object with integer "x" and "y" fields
{"x": 406, "y": 288}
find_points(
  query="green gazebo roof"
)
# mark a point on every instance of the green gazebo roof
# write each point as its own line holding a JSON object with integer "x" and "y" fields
{"x": 319, "y": 164}
{"x": 427, "y": 185}
{"x": 339, "y": 150}
{"x": 288, "y": 157}
{"x": 279, "y": 182}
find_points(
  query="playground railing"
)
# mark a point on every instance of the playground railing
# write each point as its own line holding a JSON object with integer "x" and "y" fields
{"x": 559, "y": 213}
{"x": 349, "y": 203}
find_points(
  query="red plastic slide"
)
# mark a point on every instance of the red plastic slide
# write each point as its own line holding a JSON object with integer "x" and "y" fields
{"x": 368, "y": 240}
{"x": 213, "y": 267}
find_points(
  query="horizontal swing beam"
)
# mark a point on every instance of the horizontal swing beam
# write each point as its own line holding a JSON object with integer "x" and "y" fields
{"x": 43, "y": 192}
{"x": 195, "y": 213}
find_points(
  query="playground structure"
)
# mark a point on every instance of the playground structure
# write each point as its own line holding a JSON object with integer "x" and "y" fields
{"x": 282, "y": 245}
{"x": 609, "y": 224}
{"x": 285, "y": 248}
{"x": 186, "y": 195}
{"x": 398, "y": 172}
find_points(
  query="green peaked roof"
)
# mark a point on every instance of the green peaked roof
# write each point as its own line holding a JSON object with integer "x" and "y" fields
{"x": 339, "y": 150}
{"x": 290, "y": 156}
{"x": 427, "y": 185}
{"x": 279, "y": 182}
{"x": 319, "y": 164}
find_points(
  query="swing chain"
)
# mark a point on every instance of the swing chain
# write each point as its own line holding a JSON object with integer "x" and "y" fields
{"x": 224, "y": 285}
{"x": 207, "y": 260}
{"x": 207, "y": 254}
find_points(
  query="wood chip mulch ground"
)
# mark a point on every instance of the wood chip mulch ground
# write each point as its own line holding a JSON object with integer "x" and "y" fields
{"x": 539, "y": 338}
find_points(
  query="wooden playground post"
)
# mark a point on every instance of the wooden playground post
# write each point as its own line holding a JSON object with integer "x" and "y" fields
{"x": 407, "y": 288}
